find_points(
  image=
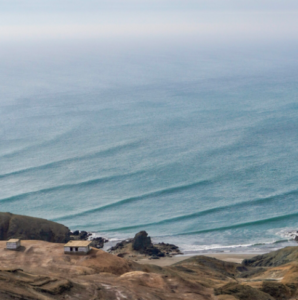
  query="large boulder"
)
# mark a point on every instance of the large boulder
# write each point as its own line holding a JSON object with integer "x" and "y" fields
{"x": 98, "y": 242}
{"x": 141, "y": 241}
{"x": 83, "y": 235}
{"x": 29, "y": 228}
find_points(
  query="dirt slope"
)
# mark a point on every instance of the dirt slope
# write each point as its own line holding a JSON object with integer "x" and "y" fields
{"x": 41, "y": 271}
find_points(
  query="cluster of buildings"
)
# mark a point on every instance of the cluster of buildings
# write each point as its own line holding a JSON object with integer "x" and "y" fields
{"x": 72, "y": 247}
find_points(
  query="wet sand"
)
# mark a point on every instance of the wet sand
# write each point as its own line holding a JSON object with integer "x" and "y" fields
{"x": 167, "y": 261}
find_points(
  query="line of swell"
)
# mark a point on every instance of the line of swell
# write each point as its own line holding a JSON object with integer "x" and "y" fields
{"x": 69, "y": 186}
{"x": 111, "y": 150}
{"x": 186, "y": 217}
{"x": 154, "y": 194}
{"x": 240, "y": 225}
{"x": 34, "y": 146}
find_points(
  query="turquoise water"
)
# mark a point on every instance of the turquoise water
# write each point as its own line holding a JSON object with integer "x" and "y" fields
{"x": 197, "y": 146}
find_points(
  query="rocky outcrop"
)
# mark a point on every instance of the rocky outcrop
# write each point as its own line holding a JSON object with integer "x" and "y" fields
{"x": 121, "y": 245}
{"x": 141, "y": 241}
{"x": 168, "y": 249}
{"x": 98, "y": 242}
{"x": 29, "y": 228}
{"x": 83, "y": 235}
{"x": 143, "y": 245}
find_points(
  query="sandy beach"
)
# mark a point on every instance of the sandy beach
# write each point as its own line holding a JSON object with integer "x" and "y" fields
{"x": 167, "y": 261}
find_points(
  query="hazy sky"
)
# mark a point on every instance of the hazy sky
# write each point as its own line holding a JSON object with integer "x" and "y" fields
{"x": 67, "y": 19}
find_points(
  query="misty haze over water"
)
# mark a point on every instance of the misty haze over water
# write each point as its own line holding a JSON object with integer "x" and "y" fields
{"x": 177, "y": 119}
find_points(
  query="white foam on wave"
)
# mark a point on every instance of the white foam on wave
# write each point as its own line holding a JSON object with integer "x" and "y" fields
{"x": 212, "y": 247}
{"x": 287, "y": 233}
{"x": 107, "y": 236}
{"x": 252, "y": 247}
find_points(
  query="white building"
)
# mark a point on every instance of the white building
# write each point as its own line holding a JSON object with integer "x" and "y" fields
{"x": 77, "y": 247}
{"x": 13, "y": 244}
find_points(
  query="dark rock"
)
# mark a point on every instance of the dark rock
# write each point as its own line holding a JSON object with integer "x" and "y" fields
{"x": 151, "y": 251}
{"x": 141, "y": 241}
{"x": 120, "y": 245}
{"x": 76, "y": 232}
{"x": 83, "y": 235}
{"x": 168, "y": 249}
{"x": 98, "y": 242}
{"x": 29, "y": 228}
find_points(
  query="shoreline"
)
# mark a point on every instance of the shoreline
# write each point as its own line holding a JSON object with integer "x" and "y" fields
{"x": 168, "y": 261}
{"x": 124, "y": 250}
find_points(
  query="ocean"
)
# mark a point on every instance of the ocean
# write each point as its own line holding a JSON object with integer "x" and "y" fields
{"x": 196, "y": 144}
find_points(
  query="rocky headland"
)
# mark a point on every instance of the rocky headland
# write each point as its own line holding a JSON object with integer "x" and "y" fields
{"x": 141, "y": 246}
{"x": 29, "y": 228}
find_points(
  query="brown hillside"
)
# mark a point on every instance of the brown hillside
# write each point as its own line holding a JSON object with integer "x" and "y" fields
{"x": 29, "y": 228}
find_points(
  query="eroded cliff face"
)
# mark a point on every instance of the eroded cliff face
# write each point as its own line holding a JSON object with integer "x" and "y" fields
{"x": 40, "y": 270}
{"x": 29, "y": 228}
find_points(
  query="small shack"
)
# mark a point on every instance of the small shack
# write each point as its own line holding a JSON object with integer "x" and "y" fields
{"x": 13, "y": 244}
{"x": 77, "y": 247}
